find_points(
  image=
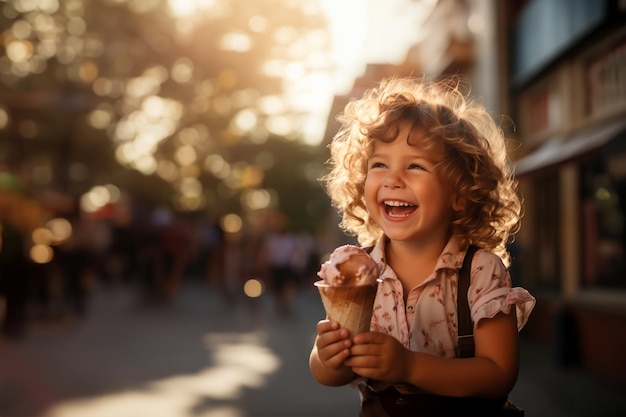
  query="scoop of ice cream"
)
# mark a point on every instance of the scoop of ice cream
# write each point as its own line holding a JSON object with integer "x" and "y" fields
{"x": 349, "y": 265}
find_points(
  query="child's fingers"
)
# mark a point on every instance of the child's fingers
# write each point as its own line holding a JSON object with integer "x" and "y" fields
{"x": 370, "y": 337}
{"x": 332, "y": 337}
{"x": 324, "y": 326}
{"x": 338, "y": 357}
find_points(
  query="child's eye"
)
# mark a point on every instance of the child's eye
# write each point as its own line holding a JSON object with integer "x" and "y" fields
{"x": 417, "y": 166}
{"x": 377, "y": 165}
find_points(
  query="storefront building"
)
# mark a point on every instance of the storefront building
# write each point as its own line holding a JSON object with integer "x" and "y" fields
{"x": 568, "y": 98}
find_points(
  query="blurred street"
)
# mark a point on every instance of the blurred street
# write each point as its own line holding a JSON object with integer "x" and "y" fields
{"x": 146, "y": 144}
{"x": 199, "y": 356}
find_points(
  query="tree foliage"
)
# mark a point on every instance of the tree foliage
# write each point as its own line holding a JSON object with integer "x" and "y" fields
{"x": 187, "y": 110}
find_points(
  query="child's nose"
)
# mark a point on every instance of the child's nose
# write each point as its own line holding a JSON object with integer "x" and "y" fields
{"x": 393, "y": 180}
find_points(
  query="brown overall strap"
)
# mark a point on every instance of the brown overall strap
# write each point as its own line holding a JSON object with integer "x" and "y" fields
{"x": 465, "y": 326}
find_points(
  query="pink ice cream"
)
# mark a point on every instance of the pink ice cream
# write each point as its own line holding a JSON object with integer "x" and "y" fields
{"x": 348, "y": 288}
{"x": 349, "y": 265}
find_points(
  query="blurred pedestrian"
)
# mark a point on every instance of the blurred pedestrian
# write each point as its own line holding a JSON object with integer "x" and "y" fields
{"x": 175, "y": 247}
{"x": 14, "y": 276}
{"x": 212, "y": 254}
{"x": 278, "y": 254}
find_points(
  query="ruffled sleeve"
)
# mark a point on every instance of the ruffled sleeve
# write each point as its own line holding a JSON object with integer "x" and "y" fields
{"x": 490, "y": 291}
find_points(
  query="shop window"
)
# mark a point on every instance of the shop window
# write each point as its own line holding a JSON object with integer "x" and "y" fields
{"x": 603, "y": 208}
{"x": 606, "y": 84}
{"x": 546, "y": 234}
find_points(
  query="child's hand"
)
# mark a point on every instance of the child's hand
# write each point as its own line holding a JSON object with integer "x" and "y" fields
{"x": 332, "y": 343}
{"x": 379, "y": 356}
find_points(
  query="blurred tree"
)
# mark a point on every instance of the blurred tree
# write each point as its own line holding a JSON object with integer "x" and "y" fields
{"x": 184, "y": 106}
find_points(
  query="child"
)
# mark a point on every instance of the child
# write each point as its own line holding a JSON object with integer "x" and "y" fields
{"x": 420, "y": 173}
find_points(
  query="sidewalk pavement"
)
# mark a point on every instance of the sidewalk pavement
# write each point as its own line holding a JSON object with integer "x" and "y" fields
{"x": 199, "y": 356}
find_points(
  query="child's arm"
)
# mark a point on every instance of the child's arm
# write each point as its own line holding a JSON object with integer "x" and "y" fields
{"x": 491, "y": 373}
{"x": 332, "y": 347}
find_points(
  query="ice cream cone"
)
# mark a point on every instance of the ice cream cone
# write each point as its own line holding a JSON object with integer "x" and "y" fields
{"x": 350, "y": 306}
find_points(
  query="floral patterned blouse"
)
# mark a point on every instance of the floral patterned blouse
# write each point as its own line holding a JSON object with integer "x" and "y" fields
{"x": 427, "y": 322}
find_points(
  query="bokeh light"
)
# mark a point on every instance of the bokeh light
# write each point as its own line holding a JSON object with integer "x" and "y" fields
{"x": 253, "y": 288}
{"x": 60, "y": 228}
{"x": 41, "y": 254}
{"x": 169, "y": 100}
{"x": 98, "y": 197}
{"x": 231, "y": 223}
{"x": 42, "y": 236}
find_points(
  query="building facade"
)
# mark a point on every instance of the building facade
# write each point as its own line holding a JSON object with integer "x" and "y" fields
{"x": 567, "y": 96}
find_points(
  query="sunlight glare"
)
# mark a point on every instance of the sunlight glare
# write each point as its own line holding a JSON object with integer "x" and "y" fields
{"x": 236, "y": 42}
{"x": 182, "y": 8}
{"x": 348, "y": 26}
{"x": 240, "y": 362}
{"x": 189, "y": 12}
{"x": 244, "y": 121}
{"x": 258, "y": 23}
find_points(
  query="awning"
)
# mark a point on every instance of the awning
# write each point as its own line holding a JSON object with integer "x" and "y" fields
{"x": 565, "y": 148}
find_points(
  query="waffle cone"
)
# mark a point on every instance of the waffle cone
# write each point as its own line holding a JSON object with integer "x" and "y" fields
{"x": 350, "y": 306}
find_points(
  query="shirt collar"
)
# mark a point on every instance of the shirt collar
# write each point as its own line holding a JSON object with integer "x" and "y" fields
{"x": 451, "y": 257}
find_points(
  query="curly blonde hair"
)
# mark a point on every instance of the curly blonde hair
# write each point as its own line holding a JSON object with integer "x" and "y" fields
{"x": 473, "y": 149}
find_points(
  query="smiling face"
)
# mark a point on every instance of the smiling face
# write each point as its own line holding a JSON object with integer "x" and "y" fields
{"x": 403, "y": 192}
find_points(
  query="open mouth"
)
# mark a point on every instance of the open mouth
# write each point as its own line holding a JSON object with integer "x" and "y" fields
{"x": 396, "y": 208}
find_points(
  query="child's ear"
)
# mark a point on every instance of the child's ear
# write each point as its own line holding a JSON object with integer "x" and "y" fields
{"x": 458, "y": 203}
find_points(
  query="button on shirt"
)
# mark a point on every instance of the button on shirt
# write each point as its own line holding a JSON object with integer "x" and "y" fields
{"x": 427, "y": 322}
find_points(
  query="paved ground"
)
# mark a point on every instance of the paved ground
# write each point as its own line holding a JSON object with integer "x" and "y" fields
{"x": 200, "y": 357}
